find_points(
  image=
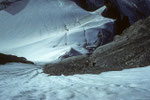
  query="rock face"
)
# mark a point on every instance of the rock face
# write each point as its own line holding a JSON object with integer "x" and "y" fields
{"x": 89, "y": 5}
{"x": 11, "y": 58}
{"x": 13, "y": 6}
{"x": 6, "y": 3}
{"x": 134, "y": 9}
{"x": 126, "y": 12}
{"x": 131, "y": 49}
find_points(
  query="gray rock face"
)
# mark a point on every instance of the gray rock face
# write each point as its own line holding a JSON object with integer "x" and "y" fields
{"x": 131, "y": 49}
{"x": 134, "y": 9}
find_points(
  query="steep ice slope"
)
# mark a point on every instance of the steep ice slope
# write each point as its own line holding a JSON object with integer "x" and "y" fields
{"x": 46, "y": 29}
{"x": 26, "y": 82}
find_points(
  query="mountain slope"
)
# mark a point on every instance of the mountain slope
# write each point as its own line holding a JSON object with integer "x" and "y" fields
{"x": 45, "y": 30}
{"x": 131, "y": 49}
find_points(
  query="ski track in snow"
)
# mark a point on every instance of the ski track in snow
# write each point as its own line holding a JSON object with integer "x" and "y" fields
{"x": 27, "y": 82}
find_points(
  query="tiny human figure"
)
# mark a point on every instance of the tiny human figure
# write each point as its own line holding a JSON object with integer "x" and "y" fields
{"x": 66, "y": 28}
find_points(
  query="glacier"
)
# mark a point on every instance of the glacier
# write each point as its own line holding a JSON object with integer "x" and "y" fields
{"x": 45, "y": 29}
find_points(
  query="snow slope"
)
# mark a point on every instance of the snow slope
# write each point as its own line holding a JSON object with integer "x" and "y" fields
{"x": 46, "y": 29}
{"x": 26, "y": 82}
{"x": 42, "y": 31}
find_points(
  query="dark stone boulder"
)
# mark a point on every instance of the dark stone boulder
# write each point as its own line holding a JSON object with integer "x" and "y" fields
{"x": 11, "y": 58}
{"x": 130, "y": 50}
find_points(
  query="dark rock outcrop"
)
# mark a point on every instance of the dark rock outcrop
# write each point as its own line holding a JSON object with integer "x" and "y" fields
{"x": 133, "y": 9}
{"x": 13, "y": 6}
{"x": 11, "y": 58}
{"x": 112, "y": 11}
{"x": 125, "y": 12}
{"x": 6, "y": 3}
{"x": 70, "y": 53}
{"x": 89, "y": 5}
{"x": 131, "y": 49}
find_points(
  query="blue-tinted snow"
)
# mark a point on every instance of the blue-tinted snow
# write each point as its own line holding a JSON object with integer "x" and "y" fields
{"x": 27, "y": 82}
{"x": 38, "y": 33}
{"x": 46, "y": 29}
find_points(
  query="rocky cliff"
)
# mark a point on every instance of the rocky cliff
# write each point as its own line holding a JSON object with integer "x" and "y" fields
{"x": 131, "y": 49}
{"x": 125, "y": 12}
